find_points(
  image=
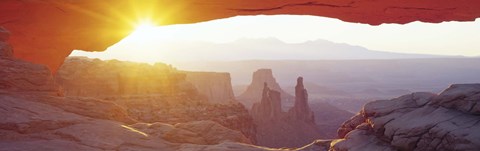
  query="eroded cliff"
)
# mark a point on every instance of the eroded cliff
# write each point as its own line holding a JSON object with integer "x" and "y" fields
{"x": 253, "y": 93}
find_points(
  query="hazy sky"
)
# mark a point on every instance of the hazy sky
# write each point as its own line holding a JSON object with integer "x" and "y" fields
{"x": 448, "y": 38}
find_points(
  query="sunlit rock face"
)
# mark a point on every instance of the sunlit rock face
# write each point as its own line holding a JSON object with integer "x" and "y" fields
{"x": 276, "y": 128}
{"x": 418, "y": 121}
{"x": 157, "y": 93}
{"x": 254, "y": 91}
{"x": 52, "y": 29}
{"x": 81, "y": 76}
{"x": 217, "y": 87}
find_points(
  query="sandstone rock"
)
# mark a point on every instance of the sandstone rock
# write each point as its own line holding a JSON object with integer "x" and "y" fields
{"x": 253, "y": 93}
{"x": 217, "y": 87}
{"x": 225, "y": 146}
{"x": 301, "y": 111}
{"x": 61, "y": 28}
{"x": 27, "y": 124}
{"x": 317, "y": 145}
{"x": 20, "y": 76}
{"x": 211, "y": 132}
{"x": 159, "y": 94}
{"x": 196, "y": 132}
{"x": 350, "y": 125}
{"x": 269, "y": 107}
{"x": 89, "y": 107}
{"x": 462, "y": 97}
{"x": 276, "y": 128}
{"x": 419, "y": 121}
{"x": 81, "y": 76}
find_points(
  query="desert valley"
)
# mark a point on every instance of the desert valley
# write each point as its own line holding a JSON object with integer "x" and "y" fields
{"x": 244, "y": 83}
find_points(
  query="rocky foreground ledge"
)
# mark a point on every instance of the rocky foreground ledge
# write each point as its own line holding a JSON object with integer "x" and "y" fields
{"x": 418, "y": 121}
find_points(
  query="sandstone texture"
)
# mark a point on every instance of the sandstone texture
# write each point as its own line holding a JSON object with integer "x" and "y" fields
{"x": 34, "y": 116}
{"x": 21, "y": 76}
{"x": 157, "y": 93}
{"x": 46, "y": 31}
{"x": 217, "y": 87}
{"x": 82, "y": 76}
{"x": 418, "y": 121}
{"x": 254, "y": 91}
{"x": 33, "y": 123}
{"x": 276, "y": 128}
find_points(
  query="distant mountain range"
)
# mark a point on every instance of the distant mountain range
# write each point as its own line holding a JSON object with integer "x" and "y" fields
{"x": 274, "y": 49}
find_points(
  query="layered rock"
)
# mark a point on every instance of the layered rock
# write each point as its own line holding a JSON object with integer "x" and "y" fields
{"x": 217, "y": 87}
{"x": 276, "y": 128}
{"x": 33, "y": 120}
{"x": 81, "y": 76}
{"x": 157, "y": 93}
{"x": 419, "y": 121}
{"x": 30, "y": 123}
{"x": 254, "y": 91}
{"x": 21, "y": 76}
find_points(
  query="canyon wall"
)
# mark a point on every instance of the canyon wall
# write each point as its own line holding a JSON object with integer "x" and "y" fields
{"x": 253, "y": 93}
{"x": 82, "y": 76}
{"x": 217, "y": 87}
{"x": 157, "y": 93}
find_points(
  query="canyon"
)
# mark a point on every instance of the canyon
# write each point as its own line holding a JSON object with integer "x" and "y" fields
{"x": 78, "y": 109}
{"x": 276, "y": 128}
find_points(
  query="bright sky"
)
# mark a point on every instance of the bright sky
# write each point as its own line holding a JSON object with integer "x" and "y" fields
{"x": 448, "y": 38}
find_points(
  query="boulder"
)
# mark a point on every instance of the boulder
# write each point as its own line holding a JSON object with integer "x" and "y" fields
{"x": 419, "y": 121}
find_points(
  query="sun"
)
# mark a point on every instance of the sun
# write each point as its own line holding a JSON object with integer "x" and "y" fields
{"x": 144, "y": 26}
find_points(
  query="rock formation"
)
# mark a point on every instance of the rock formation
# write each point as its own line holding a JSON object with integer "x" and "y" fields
{"x": 270, "y": 106}
{"x": 301, "y": 111}
{"x": 30, "y": 123}
{"x": 47, "y": 31}
{"x": 254, "y": 91}
{"x": 157, "y": 93}
{"x": 217, "y": 87}
{"x": 82, "y": 76}
{"x": 418, "y": 121}
{"x": 34, "y": 117}
{"x": 276, "y": 128}
{"x": 21, "y": 76}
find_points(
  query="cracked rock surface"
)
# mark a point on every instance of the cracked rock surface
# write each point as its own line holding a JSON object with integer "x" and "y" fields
{"x": 418, "y": 121}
